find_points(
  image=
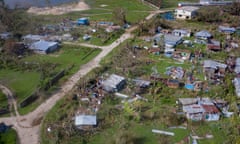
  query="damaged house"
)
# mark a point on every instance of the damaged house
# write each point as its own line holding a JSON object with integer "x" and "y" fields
{"x": 175, "y": 72}
{"x": 214, "y": 70}
{"x": 213, "y": 45}
{"x": 199, "y": 109}
{"x": 181, "y": 55}
{"x": 114, "y": 83}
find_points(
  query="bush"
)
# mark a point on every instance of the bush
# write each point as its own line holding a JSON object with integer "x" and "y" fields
{"x": 209, "y": 14}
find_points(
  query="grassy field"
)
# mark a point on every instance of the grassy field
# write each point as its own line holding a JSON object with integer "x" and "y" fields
{"x": 21, "y": 83}
{"x": 9, "y": 137}
{"x": 65, "y": 57}
{"x": 173, "y": 3}
{"x": 135, "y": 10}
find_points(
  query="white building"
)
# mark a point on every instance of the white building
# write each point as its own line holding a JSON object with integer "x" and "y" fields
{"x": 186, "y": 12}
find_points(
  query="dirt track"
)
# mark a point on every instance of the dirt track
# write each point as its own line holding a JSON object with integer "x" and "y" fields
{"x": 29, "y": 134}
{"x": 59, "y": 10}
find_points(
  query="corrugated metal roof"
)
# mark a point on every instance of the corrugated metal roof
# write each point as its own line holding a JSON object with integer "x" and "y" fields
{"x": 113, "y": 80}
{"x": 213, "y": 64}
{"x": 210, "y": 108}
{"x": 203, "y": 33}
{"x": 172, "y": 39}
{"x": 42, "y": 45}
{"x": 86, "y": 120}
{"x": 227, "y": 29}
{"x": 194, "y": 108}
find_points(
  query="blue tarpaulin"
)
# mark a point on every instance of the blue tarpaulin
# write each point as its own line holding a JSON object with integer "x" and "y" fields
{"x": 189, "y": 86}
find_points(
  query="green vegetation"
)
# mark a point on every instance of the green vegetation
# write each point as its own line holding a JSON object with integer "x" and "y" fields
{"x": 128, "y": 5}
{"x": 9, "y": 137}
{"x": 135, "y": 11}
{"x": 3, "y": 100}
{"x": 23, "y": 83}
{"x": 121, "y": 125}
{"x": 174, "y": 3}
{"x": 101, "y": 37}
{"x": 66, "y": 57}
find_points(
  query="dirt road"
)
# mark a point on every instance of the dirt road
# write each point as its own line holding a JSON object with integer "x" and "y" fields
{"x": 29, "y": 133}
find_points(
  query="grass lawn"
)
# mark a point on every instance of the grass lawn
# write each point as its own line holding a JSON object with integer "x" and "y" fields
{"x": 3, "y": 100}
{"x": 21, "y": 83}
{"x": 66, "y": 56}
{"x": 174, "y": 3}
{"x": 135, "y": 10}
{"x": 128, "y": 5}
{"x": 9, "y": 137}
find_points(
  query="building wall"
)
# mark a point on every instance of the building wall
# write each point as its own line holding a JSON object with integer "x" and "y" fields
{"x": 182, "y": 14}
{"x": 52, "y": 48}
{"x": 195, "y": 117}
{"x": 211, "y": 117}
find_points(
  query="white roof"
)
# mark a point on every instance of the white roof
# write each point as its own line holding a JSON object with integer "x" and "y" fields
{"x": 85, "y": 120}
{"x": 213, "y": 64}
{"x": 188, "y": 8}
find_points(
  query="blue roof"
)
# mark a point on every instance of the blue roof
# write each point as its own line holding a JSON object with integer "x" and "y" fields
{"x": 189, "y": 86}
{"x": 42, "y": 45}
